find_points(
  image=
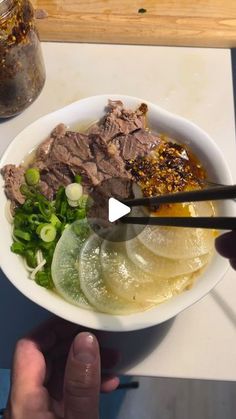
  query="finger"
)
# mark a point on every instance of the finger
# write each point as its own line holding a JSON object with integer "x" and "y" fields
{"x": 82, "y": 378}
{"x": 55, "y": 383}
{"x": 226, "y": 244}
{"x": 109, "y": 357}
{"x": 28, "y": 375}
{"x": 109, "y": 383}
{"x": 56, "y": 360}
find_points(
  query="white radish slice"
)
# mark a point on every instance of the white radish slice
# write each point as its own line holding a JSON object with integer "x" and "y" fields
{"x": 127, "y": 281}
{"x": 162, "y": 266}
{"x": 177, "y": 243}
{"x": 92, "y": 284}
{"x": 65, "y": 273}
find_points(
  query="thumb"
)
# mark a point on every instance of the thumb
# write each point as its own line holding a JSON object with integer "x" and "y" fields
{"x": 82, "y": 378}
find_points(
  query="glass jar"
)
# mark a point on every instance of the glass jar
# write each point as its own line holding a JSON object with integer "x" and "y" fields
{"x": 22, "y": 71}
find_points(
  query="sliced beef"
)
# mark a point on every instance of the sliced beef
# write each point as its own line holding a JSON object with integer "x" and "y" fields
{"x": 46, "y": 190}
{"x": 89, "y": 173}
{"x": 69, "y": 149}
{"x": 98, "y": 155}
{"x": 59, "y": 131}
{"x": 137, "y": 144}
{"x": 114, "y": 166}
{"x": 57, "y": 175}
{"x": 77, "y": 145}
{"x": 44, "y": 149}
{"x": 62, "y": 173}
{"x": 120, "y": 121}
{"x": 120, "y": 188}
{"x": 14, "y": 178}
{"x": 64, "y": 159}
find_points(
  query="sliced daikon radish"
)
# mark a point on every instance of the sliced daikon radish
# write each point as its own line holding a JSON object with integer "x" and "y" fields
{"x": 146, "y": 260}
{"x": 177, "y": 242}
{"x": 92, "y": 284}
{"x": 65, "y": 273}
{"x": 204, "y": 209}
{"x": 127, "y": 281}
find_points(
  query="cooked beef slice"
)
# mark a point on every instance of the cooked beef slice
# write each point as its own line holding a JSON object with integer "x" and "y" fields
{"x": 119, "y": 120}
{"x": 77, "y": 145}
{"x": 57, "y": 175}
{"x": 44, "y": 149}
{"x": 67, "y": 149}
{"x": 139, "y": 143}
{"x": 14, "y": 178}
{"x": 98, "y": 155}
{"x": 46, "y": 190}
{"x": 89, "y": 173}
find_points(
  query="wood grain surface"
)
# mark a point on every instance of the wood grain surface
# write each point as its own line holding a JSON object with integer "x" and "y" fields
{"x": 208, "y": 23}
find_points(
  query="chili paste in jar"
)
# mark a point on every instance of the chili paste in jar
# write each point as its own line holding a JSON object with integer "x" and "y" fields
{"x": 22, "y": 72}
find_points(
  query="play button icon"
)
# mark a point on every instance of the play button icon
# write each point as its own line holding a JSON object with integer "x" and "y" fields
{"x": 116, "y": 210}
{"x": 106, "y": 209}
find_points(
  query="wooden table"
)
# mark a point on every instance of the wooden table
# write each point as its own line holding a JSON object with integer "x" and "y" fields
{"x": 151, "y": 22}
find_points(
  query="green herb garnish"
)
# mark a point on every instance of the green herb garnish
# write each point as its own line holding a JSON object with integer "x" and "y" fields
{"x": 32, "y": 176}
{"x": 39, "y": 224}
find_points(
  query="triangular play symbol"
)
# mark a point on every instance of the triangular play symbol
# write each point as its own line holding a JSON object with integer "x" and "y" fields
{"x": 117, "y": 210}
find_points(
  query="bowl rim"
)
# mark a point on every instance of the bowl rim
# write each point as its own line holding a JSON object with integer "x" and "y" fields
{"x": 99, "y": 320}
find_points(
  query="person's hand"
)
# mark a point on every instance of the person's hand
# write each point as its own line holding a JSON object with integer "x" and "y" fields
{"x": 57, "y": 374}
{"x": 226, "y": 246}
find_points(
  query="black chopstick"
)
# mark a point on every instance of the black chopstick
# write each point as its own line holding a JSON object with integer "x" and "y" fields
{"x": 210, "y": 194}
{"x": 219, "y": 223}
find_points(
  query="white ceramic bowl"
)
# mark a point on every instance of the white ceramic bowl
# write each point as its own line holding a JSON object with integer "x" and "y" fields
{"x": 79, "y": 114}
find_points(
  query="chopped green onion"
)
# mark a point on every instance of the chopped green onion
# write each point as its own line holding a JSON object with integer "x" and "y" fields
{"x": 39, "y": 217}
{"x": 32, "y": 176}
{"x": 28, "y": 206}
{"x": 31, "y": 259}
{"x": 45, "y": 209}
{"x": 70, "y": 215}
{"x": 20, "y": 220}
{"x": 44, "y": 279}
{"x": 78, "y": 179}
{"x": 27, "y": 191}
{"x": 54, "y": 220}
{"x": 80, "y": 213}
{"x": 60, "y": 196}
{"x": 24, "y": 235}
{"x": 84, "y": 201}
{"x": 48, "y": 233}
{"x": 64, "y": 226}
{"x": 39, "y": 228}
{"x": 64, "y": 206}
{"x": 47, "y": 246}
{"x": 34, "y": 219}
{"x": 18, "y": 248}
{"x": 74, "y": 192}
{"x": 73, "y": 204}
